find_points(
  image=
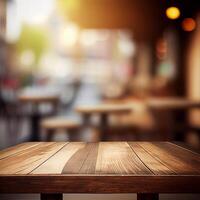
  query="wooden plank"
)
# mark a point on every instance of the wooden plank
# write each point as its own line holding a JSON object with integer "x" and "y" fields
{"x": 24, "y": 163}
{"x": 16, "y": 149}
{"x": 172, "y": 103}
{"x": 118, "y": 158}
{"x": 38, "y": 98}
{"x": 99, "y": 184}
{"x": 89, "y": 166}
{"x": 180, "y": 164}
{"x": 186, "y": 147}
{"x": 105, "y": 108}
{"x": 107, "y": 167}
{"x": 156, "y": 166}
{"x": 83, "y": 161}
{"x": 187, "y": 156}
{"x": 56, "y": 163}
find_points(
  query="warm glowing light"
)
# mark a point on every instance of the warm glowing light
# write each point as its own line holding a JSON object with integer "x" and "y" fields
{"x": 188, "y": 24}
{"x": 88, "y": 37}
{"x": 91, "y": 37}
{"x": 68, "y": 5}
{"x": 173, "y": 13}
{"x": 126, "y": 47}
{"x": 70, "y": 34}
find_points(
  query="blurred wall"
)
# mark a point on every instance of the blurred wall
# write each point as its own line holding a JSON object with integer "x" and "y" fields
{"x": 193, "y": 65}
{"x": 2, "y": 18}
{"x": 193, "y": 73}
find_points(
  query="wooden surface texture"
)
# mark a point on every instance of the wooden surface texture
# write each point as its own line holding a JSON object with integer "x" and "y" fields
{"x": 105, "y": 167}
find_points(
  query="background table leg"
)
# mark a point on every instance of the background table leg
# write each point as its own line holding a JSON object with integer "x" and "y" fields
{"x": 50, "y": 133}
{"x": 86, "y": 119}
{"x": 148, "y": 196}
{"x": 35, "y": 127}
{"x": 51, "y": 196}
{"x": 104, "y": 123}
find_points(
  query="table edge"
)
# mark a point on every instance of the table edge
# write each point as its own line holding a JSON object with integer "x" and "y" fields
{"x": 99, "y": 184}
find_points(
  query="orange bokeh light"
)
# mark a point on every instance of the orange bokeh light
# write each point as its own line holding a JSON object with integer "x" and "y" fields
{"x": 173, "y": 13}
{"x": 188, "y": 24}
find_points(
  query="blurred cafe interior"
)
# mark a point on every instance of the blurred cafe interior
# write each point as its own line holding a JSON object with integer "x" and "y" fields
{"x": 93, "y": 70}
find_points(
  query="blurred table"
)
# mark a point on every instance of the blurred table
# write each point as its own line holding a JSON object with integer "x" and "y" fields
{"x": 35, "y": 99}
{"x": 103, "y": 111}
{"x": 51, "y": 126}
{"x": 172, "y": 103}
{"x": 54, "y": 168}
{"x": 175, "y": 109}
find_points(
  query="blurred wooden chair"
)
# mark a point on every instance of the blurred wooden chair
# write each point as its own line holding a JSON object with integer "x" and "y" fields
{"x": 53, "y": 125}
{"x": 11, "y": 115}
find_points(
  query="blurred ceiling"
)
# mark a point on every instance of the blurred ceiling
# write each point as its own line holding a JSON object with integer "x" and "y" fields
{"x": 145, "y": 17}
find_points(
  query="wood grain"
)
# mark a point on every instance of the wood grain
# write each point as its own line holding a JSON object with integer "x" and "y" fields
{"x": 25, "y": 162}
{"x": 99, "y": 184}
{"x": 105, "y": 167}
{"x": 186, "y": 147}
{"x": 118, "y": 158}
{"x": 185, "y": 156}
{"x": 16, "y": 149}
{"x": 176, "y": 162}
{"x": 156, "y": 166}
{"x": 56, "y": 163}
{"x": 83, "y": 161}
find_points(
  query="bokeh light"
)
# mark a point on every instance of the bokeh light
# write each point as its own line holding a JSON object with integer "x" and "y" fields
{"x": 188, "y": 24}
{"x": 69, "y": 35}
{"x": 88, "y": 38}
{"x": 173, "y": 13}
{"x": 67, "y": 6}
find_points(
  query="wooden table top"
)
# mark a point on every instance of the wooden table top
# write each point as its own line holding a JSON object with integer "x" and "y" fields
{"x": 104, "y": 108}
{"x": 59, "y": 122}
{"x": 99, "y": 167}
{"x": 172, "y": 103}
{"x": 38, "y": 98}
{"x": 38, "y": 95}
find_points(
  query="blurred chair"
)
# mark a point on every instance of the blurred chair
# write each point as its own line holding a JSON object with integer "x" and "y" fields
{"x": 54, "y": 124}
{"x": 10, "y": 113}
